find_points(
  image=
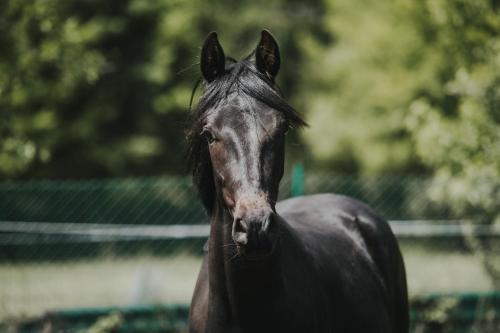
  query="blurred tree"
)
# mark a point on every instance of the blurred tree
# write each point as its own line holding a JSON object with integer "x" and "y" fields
{"x": 456, "y": 129}
{"x": 360, "y": 86}
{"x": 76, "y": 93}
{"x": 99, "y": 89}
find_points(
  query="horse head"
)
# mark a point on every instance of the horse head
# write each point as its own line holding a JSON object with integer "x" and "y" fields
{"x": 238, "y": 141}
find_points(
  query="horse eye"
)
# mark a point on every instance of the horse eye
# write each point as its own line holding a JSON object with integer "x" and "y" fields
{"x": 208, "y": 136}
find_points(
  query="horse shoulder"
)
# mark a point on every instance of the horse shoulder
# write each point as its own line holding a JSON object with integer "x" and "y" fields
{"x": 355, "y": 248}
{"x": 327, "y": 217}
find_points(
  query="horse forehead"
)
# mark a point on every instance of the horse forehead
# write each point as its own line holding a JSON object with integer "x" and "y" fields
{"x": 241, "y": 118}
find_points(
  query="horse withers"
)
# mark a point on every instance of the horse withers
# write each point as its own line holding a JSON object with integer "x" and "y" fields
{"x": 318, "y": 263}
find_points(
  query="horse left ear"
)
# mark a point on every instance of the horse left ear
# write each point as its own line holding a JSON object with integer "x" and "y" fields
{"x": 267, "y": 55}
{"x": 212, "y": 58}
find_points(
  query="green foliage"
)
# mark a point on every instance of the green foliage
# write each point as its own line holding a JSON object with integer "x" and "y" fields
{"x": 96, "y": 89}
{"x": 411, "y": 86}
{"x": 457, "y": 132}
{"x": 362, "y": 84}
{"x": 107, "y": 324}
{"x": 69, "y": 73}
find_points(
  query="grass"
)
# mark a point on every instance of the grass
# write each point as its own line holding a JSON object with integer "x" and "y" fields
{"x": 30, "y": 289}
{"x": 33, "y": 288}
{"x": 432, "y": 271}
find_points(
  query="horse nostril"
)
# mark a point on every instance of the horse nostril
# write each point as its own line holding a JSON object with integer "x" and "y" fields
{"x": 240, "y": 225}
{"x": 240, "y": 232}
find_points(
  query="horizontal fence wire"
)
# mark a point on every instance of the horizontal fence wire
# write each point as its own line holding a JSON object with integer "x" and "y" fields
{"x": 43, "y": 232}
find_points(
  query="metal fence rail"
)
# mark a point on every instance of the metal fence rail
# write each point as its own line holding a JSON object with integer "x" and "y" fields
{"x": 44, "y": 232}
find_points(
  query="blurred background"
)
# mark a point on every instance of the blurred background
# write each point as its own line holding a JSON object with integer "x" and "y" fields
{"x": 100, "y": 230}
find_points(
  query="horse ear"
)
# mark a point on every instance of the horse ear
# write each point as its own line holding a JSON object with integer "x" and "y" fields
{"x": 267, "y": 55}
{"x": 212, "y": 58}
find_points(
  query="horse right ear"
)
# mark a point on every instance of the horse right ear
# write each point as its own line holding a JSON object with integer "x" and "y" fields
{"x": 213, "y": 59}
{"x": 267, "y": 55}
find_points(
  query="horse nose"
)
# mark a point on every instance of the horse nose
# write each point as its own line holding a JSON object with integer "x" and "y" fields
{"x": 253, "y": 232}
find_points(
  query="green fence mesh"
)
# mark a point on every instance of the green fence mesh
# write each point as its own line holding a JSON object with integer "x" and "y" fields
{"x": 124, "y": 248}
{"x": 458, "y": 313}
{"x": 171, "y": 200}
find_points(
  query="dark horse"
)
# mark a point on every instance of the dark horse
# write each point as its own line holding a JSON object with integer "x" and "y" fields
{"x": 319, "y": 263}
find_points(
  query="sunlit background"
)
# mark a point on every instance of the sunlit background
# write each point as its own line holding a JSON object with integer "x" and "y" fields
{"x": 100, "y": 229}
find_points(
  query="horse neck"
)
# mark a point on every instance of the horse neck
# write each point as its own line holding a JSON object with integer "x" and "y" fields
{"x": 239, "y": 291}
{"x": 217, "y": 242}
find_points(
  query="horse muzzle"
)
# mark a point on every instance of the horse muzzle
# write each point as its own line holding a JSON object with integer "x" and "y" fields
{"x": 255, "y": 236}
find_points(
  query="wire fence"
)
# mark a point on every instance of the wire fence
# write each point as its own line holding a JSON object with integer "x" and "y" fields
{"x": 109, "y": 250}
{"x": 52, "y": 220}
{"x": 171, "y": 200}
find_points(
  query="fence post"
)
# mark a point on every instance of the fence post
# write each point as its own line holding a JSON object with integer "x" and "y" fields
{"x": 297, "y": 186}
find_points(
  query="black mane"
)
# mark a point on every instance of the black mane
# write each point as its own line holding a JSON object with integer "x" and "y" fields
{"x": 244, "y": 79}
